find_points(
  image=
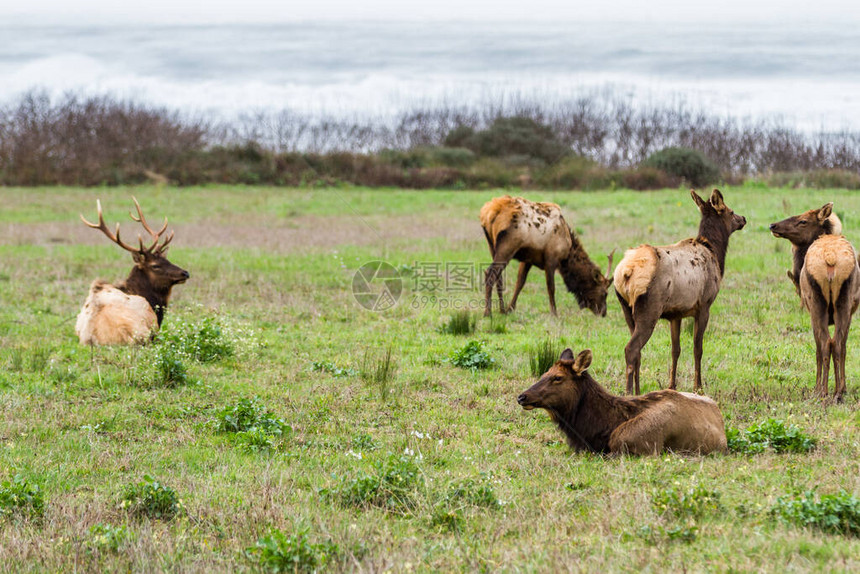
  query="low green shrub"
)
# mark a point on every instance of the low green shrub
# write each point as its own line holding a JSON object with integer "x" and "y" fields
{"x": 694, "y": 502}
{"x": 280, "y": 552}
{"x": 20, "y": 497}
{"x": 152, "y": 499}
{"x": 771, "y": 433}
{"x": 392, "y": 485}
{"x": 247, "y": 415}
{"x": 471, "y": 356}
{"x": 205, "y": 341}
{"x": 832, "y": 513}
{"x": 106, "y": 537}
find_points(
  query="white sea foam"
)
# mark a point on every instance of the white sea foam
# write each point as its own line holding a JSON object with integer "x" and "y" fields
{"x": 809, "y": 79}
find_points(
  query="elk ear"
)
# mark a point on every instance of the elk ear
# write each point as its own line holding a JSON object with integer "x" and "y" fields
{"x": 699, "y": 201}
{"x": 566, "y": 355}
{"x": 583, "y": 360}
{"x": 825, "y": 211}
{"x": 138, "y": 257}
{"x": 717, "y": 201}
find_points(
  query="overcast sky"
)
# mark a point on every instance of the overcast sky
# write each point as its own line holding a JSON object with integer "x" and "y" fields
{"x": 266, "y": 11}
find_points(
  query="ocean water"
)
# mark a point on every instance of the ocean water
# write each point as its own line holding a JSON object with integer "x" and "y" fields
{"x": 808, "y": 76}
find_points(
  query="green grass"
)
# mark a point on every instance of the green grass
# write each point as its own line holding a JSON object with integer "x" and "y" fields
{"x": 269, "y": 314}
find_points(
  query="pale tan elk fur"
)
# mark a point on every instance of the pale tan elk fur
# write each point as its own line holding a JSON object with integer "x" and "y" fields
{"x": 111, "y": 317}
{"x": 826, "y": 275}
{"x": 536, "y": 234}
{"x": 673, "y": 282}
{"x": 594, "y": 420}
{"x": 130, "y": 312}
{"x": 635, "y": 272}
{"x": 830, "y": 261}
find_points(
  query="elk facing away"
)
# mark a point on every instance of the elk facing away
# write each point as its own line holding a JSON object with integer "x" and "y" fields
{"x": 675, "y": 281}
{"x": 594, "y": 420}
{"x": 826, "y": 275}
{"x": 537, "y": 234}
{"x": 131, "y": 311}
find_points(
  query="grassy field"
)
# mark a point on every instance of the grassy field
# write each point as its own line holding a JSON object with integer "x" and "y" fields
{"x": 427, "y": 467}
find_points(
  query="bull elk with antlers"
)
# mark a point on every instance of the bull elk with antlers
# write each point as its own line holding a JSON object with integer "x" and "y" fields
{"x": 826, "y": 275}
{"x": 131, "y": 311}
{"x": 537, "y": 235}
{"x": 675, "y": 281}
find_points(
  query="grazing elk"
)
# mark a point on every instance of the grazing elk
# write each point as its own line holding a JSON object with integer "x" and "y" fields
{"x": 537, "y": 234}
{"x": 131, "y": 311}
{"x": 826, "y": 275}
{"x": 594, "y": 420}
{"x": 675, "y": 281}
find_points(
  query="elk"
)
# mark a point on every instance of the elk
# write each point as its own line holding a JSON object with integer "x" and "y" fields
{"x": 675, "y": 281}
{"x": 131, "y": 311}
{"x": 594, "y": 420}
{"x": 537, "y": 235}
{"x": 826, "y": 275}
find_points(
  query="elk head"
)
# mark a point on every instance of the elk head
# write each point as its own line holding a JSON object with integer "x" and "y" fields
{"x": 716, "y": 209}
{"x": 805, "y": 228}
{"x": 559, "y": 389}
{"x": 149, "y": 261}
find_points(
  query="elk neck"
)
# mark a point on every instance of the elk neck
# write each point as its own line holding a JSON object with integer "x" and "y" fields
{"x": 138, "y": 283}
{"x": 578, "y": 272}
{"x": 589, "y": 422}
{"x": 714, "y": 235}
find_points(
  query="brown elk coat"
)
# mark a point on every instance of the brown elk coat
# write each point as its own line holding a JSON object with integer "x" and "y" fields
{"x": 594, "y": 420}
{"x": 131, "y": 311}
{"x": 536, "y": 234}
{"x": 826, "y": 275}
{"x": 675, "y": 281}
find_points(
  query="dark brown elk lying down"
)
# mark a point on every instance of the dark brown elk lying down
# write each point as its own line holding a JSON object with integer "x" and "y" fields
{"x": 131, "y": 311}
{"x": 826, "y": 275}
{"x": 594, "y": 420}
{"x": 536, "y": 234}
{"x": 675, "y": 281}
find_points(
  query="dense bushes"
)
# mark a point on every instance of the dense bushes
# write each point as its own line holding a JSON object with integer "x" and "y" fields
{"x": 688, "y": 164}
{"x": 581, "y": 144}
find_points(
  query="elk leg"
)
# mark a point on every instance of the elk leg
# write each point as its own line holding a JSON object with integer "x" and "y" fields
{"x": 550, "y": 289}
{"x": 700, "y": 324}
{"x": 628, "y": 312}
{"x": 503, "y": 256}
{"x": 838, "y": 345}
{"x": 675, "y": 329}
{"x": 492, "y": 277}
{"x": 521, "y": 280}
{"x": 820, "y": 330}
{"x": 633, "y": 351}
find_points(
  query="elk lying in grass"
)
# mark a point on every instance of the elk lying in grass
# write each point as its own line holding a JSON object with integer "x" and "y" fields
{"x": 537, "y": 234}
{"x": 826, "y": 275}
{"x": 594, "y": 420}
{"x": 675, "y": 281}
{"x": 131, "y": 311}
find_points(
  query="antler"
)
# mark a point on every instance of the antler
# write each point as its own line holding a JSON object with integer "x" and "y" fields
{"x": 155, "y": 234}
{"x": 609, "y": 270}
{"x": 104, "y": 229}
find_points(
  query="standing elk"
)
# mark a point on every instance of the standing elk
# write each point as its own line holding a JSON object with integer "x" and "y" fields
{"x": 675, "y": 281}
{"x": 131, "y": 311}
{"x": 597, "y": 421}
{"x": 826, "y": 275}
{"x": 537, "y": 234}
